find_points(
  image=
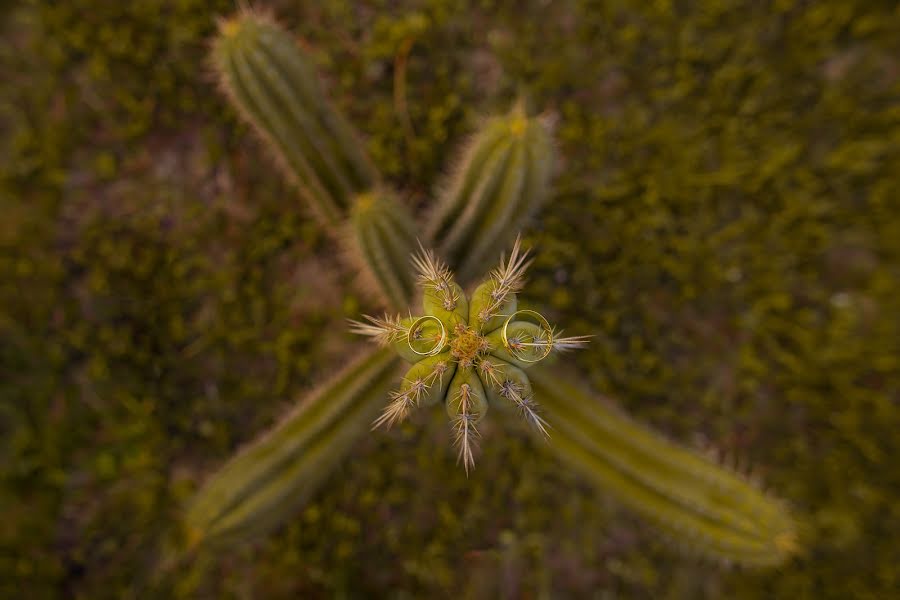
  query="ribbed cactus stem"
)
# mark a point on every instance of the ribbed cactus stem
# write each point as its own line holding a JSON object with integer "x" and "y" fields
{"x": 272, "y": 84}
{"x": 502, "y": 179}
{"x": 706, "y": 506}
{"x": 272, "y": 478}
{"x": 382, "y": 239}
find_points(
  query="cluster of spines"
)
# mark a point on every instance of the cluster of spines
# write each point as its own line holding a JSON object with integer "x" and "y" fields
{"x": 524, "y": 402}
{"x": 412, "y": 393}
{"x": 436, "y": 277}
{"x": 384, "y": 330}
{"x": 508, "y": 279}
{"x": 494, "y": 375}
{"x": 569, "y": 343}
{"x": 502, "y": 178}
{"x": 465, "y": 431}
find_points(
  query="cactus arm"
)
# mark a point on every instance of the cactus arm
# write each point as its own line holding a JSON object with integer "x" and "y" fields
{"x": 345, "y": 140}
{"x": 256, "y": 107}
{"x": 711, "y": 509}
{"x": 275, "y": 88}
{"x": 288, "y": 108}
{"x": 516, "y": 202}
{"x": 459, "y": 186}
{"x": 497, "y": 214}
{"x": 270, "y": 82}
{"x": 381, "y": 241}
{"x": 270, "y": 479}
{"x": 477, "y": 203}
{"x": 503, "y": 178}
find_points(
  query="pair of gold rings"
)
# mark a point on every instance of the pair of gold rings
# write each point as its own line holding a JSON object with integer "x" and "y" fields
{"x": 543, "y": 342}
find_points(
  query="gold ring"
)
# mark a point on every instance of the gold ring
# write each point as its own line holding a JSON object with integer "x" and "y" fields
{"x": 542, "y": 322}
{"x": 415, "y": 326}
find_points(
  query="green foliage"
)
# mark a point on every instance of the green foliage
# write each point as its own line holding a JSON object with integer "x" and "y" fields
{"x": 703, "y": 507}
{"x": 724, "y": 220}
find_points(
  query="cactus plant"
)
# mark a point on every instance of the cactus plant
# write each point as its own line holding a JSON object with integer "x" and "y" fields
{"x": 468, "y": 354}
{"x": 467, "y": 351}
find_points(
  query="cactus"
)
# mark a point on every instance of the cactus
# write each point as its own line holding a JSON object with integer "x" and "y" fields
{"x": 276, "y": 89}
{"x": 703, "y": 505}
{"x": 267, "y": 481}
{"x": 481, "y": 345}
{"x": 381, "y": 237}
{"x": 502, "y": 178}
{"x": 273, "y": 86}
{"x": 468, "y": 351}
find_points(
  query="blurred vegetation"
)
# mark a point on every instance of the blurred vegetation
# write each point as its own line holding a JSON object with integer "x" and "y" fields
{"x": 726, "y": 220}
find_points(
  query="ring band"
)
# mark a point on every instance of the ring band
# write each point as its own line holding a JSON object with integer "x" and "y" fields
{"x": 415, "y": 326}
{"x": 542, "y": 322}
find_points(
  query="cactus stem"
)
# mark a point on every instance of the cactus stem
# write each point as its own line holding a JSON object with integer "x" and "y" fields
{"x": 722, "y": 513}
{"x": 268, "y": 480}
{"x": 274, "y": 86}
{"x": 507, "y": 280}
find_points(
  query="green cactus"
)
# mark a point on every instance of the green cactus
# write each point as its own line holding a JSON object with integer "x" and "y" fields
{"x": 468, "y": 351}
{"x": 502, "y": 178}
{"x": 381, "y": 238}
{"x": 705, "y": 506}
{"x": 273, "y": 86}
{"x": 270, "y": 479}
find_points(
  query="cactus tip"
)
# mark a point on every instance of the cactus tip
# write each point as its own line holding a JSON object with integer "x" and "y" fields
{"x": 518, "y": 125}
{"x": 230, "y": 27}
{"x": 194, "y": 536}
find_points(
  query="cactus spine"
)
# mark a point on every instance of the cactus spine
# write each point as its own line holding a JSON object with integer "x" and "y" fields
{"x": 270, "y": 479}
{"x": 502, "y": 179}
{"x": 275, "y": 88}
{"x": 710, "y": 509}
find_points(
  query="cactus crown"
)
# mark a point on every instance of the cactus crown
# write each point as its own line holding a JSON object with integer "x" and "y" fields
{"x": 467, "y": 351}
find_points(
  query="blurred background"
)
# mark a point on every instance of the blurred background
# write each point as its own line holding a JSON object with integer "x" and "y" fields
{"x": 725, "y": 220}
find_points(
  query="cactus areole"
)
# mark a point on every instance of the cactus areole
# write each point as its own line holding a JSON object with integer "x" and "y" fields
{"x": 467, "y": 351}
